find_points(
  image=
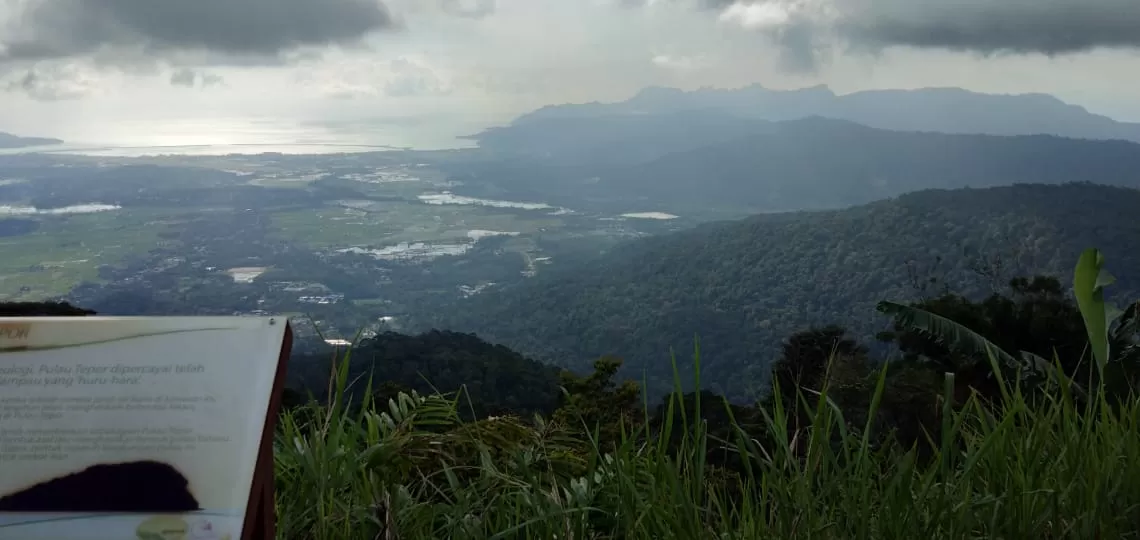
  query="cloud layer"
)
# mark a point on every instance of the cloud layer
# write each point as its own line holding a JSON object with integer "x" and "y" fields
{"x": 55, "y": 29}
{"x": 509, "y": 55}
{"x": 1049, "y": 27}
{"x": 263, "y": 30}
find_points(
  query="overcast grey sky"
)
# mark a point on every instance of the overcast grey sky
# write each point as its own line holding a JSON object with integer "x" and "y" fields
{"x": 414, "y": 71}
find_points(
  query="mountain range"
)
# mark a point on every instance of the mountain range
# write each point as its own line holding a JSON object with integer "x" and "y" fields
{"x": 942, "y": 110}
{"x": 878, "y": 195}
{"x": 695, "y": 162}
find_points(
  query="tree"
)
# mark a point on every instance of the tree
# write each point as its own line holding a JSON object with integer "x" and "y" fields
{"x": 807, "y": 356}
{"x": 815, "y": 362}
{"x": 721, "y": 419}
{"x": 597, "y": 403}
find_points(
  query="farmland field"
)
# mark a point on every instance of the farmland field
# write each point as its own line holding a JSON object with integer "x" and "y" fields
{"x": 387, "y": 233}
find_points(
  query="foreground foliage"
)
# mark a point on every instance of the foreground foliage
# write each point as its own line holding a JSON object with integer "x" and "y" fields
{"x": 830, "y": 454}
{"x": 411, "y": 469}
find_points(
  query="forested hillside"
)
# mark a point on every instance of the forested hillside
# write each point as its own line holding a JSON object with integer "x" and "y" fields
{"x": 744, "y": 286}
{"x": 493, "y": 378}
{"x": 489, "y": 379}
{"x": 858, "y": 448}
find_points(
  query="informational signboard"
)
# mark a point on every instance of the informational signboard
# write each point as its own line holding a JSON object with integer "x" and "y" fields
{"x": 138, "y": 428}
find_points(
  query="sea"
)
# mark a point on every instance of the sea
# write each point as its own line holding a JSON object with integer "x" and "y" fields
{"x": 250, "y": 137}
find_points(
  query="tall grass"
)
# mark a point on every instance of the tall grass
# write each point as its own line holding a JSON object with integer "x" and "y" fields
{"x": 411, "y": 468}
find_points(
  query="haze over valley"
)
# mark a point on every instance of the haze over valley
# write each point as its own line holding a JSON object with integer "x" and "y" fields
{"x": 410, "y": 240}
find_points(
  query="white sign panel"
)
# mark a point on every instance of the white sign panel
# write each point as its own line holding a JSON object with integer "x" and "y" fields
{"x": 132, "y": 428}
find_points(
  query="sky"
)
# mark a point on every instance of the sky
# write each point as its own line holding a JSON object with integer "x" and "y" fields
{"x": 419, "y": 72}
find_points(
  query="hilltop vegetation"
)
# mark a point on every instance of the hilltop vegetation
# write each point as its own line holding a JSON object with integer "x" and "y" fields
{"x": 744, "y": 286}
{"x": 844, "y": 447}
{"x": 491, "y": 378}
{"x": 855, "y": 446}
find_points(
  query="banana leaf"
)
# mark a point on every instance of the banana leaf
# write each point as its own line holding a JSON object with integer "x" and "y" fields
{"x": 949, "y": 333}
{"x": 1089, "y": 280}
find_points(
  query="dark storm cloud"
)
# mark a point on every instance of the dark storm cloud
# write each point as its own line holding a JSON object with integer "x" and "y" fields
{"x": 49, "y": 29}
{"x": 184, "y": 77}
{"x": 1050, "y": 27}
{"x": 190, "y": 78}
{"x": 50, "y": 84}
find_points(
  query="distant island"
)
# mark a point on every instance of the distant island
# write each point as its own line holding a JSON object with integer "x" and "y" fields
{"x": 7, "y": 140}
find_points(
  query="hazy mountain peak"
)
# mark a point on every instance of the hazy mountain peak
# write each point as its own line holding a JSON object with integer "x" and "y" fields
{"x": 8, "y": 140}
{"x": 657, "y": 97}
